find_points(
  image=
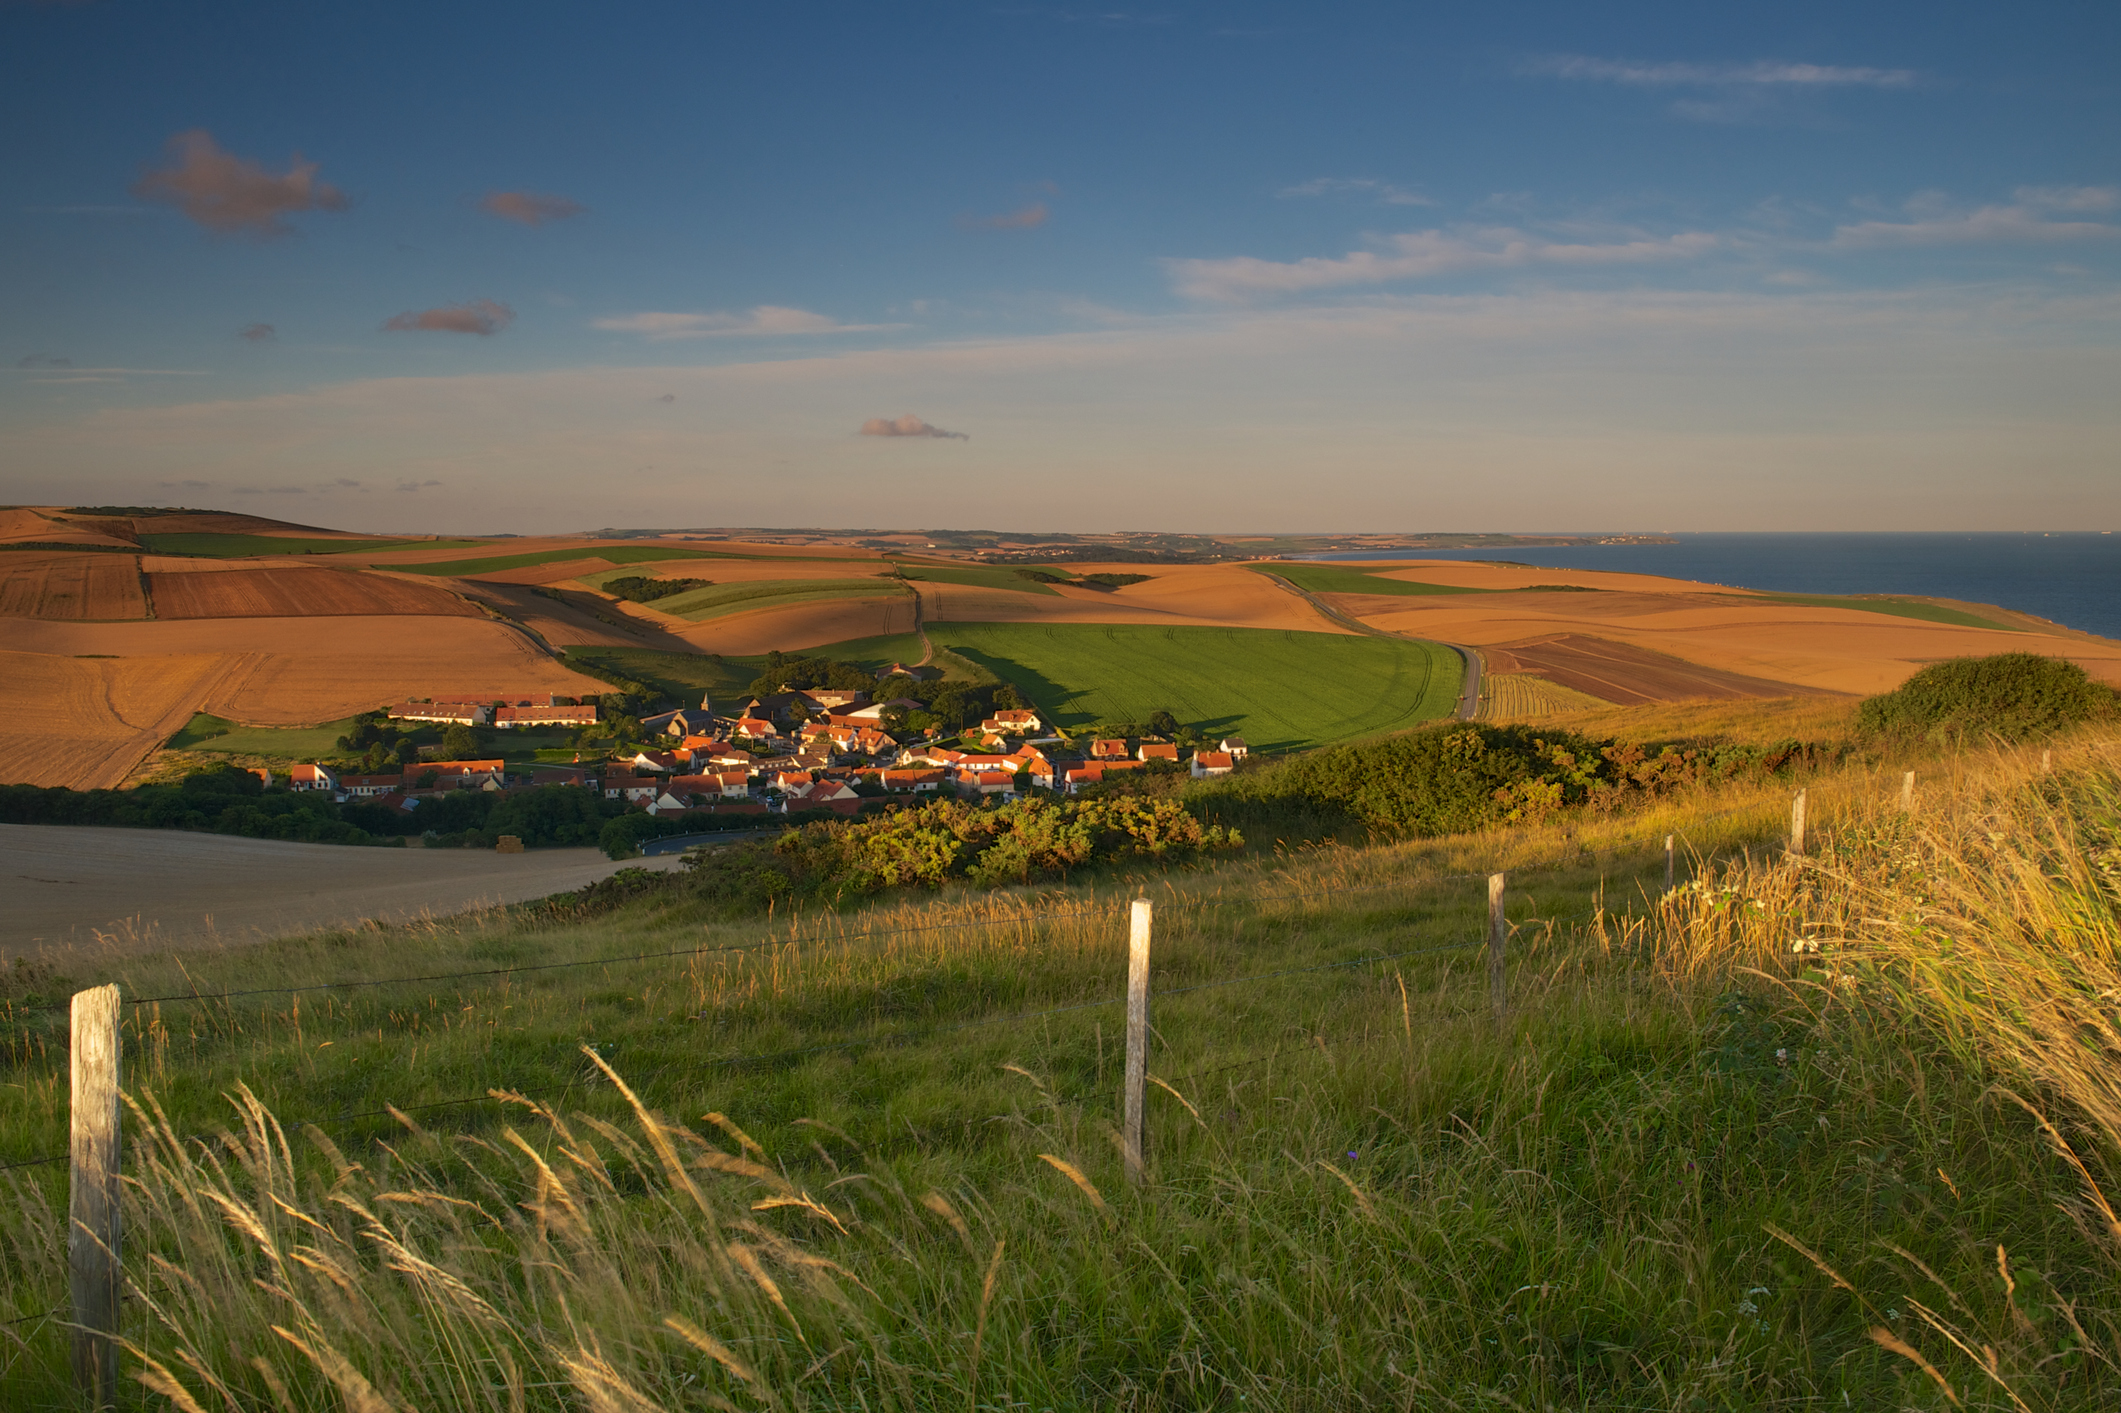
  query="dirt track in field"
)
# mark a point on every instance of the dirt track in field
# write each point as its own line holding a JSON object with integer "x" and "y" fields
{"x": 299, "y": 593}
{"x": 70, "y": 586}
{"x": 146, "y": 889}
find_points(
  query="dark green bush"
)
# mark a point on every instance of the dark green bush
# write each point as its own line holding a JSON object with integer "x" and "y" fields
{"x": 2011, "y": 695}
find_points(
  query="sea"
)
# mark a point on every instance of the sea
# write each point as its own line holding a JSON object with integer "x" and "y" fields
{"x": 2071, "y": 578}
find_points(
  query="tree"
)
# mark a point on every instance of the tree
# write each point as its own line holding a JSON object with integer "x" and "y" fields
{"x": 460, "y": 742}
{"x": 1163, "y": 723}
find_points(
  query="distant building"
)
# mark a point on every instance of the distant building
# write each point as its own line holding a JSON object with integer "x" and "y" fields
{"x": 1115, "y": 749}
{"x": 1158, "y": 750}
{"x": 1207, "y": 763}
{"x": 509, "y": 718}
{"x": 1235, "y": 747}
{"x": 311, "y": 777}
{"x": 442, "y": 713}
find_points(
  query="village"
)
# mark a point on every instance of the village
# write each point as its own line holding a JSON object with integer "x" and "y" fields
{"x": 790, "y": 752}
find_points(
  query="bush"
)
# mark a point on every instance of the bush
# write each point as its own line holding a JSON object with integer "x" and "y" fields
{"x": 2011, "y": 695}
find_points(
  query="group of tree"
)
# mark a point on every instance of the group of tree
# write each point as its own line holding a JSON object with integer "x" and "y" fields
{"x": 952, "y": 704}
{"x": 640, "y": 588}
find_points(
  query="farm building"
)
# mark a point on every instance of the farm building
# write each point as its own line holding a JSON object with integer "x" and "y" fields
{"x": 1108, "y": 750}
{"x": 1013, "y": 723}
{"x": 367, "y": 787}
{"x": 1207, "y": 763}
{"x": 1158, "y": 750}
{"x": 509, "y": 718}
{"x": 311, "y": 777}
{"x": 443, "y": 713}
{"x": 1235, "y": 747}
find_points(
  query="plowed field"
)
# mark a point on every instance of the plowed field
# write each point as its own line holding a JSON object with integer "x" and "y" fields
{"x": 1618, "y": 672}
{"x": 77, "y": 586}
{"x": 298, "y": 593}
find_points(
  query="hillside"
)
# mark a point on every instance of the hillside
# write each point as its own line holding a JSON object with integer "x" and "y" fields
{"x": 1694, "y": 1161}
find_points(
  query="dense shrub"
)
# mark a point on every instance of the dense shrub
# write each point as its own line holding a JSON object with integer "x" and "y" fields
{"x": 640, "y": 588}
{"x": 2010, "y": 695}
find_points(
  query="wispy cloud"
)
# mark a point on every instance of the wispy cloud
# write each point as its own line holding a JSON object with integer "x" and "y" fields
{"x": 1932, "y": 220}
{"x": 531, "y": 208}
{"x": 1421, "y": 255}
{"x": 233, "y": 195}
{"x": 43, "y": 360}
{"x": 767, "y": 320}
{"x": 1024, "y": 218}
{"x": 1695, "y": 75}
{"x": 1385, "y": 192}
{"x": 908, "y": 426}
{"x": 410, "y": 487}
{"x": 258, "y": 333}
{"x": 484, "y": 317}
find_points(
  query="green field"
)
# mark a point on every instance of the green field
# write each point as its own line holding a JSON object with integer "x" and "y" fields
{"x": 213, "y": 733}
{"x": 1898, "y": 608}
{"x": 1327, "y": 579}
{"x": 978, "y": 578}
{"x": 1279, "y": 690}
{"x": 682, "y": 677}
{"x": 207, "y": 546}
{"x": 610, "y": 554}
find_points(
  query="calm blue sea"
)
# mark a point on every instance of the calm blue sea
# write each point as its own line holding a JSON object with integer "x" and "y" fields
{"x": 2073, "y": 579}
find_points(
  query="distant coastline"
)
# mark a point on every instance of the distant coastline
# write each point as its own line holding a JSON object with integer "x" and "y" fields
{"x": 2070, "y": 578}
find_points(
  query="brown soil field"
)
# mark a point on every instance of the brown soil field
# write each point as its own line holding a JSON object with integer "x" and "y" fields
{"x": 300, "y": 593}
{"x": 86, "y": 722}
{"x": 564, "y": 625}
{"x": 1213, "y": 595}
{"x": 1621, "y": 673}
{"x": 748, "y": 571}
{"x": 144, "y": 890}
{"x": 92, "y": 699}
{"x": 792, "y": 628}
{"x": 35, "y": 525}
{"x": 77, "y": 586}
{"x": 1801, "y": 647}
{"x": 228, "y": 522}
{"x": 185, "y": 564}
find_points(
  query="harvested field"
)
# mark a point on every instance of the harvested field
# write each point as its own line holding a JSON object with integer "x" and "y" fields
{"x": 793, "y": 629}
{"x": 1522, "y": 696}
{"x": 1618, "y": 672}
{"x": 34, "y": 584}
{"x": 147, "y": 889}
{"x": 726, "y": 600}
{"x": 29, "y": 525}
{"x": 580, "y": 620}
{"x": 85, "y": 722}
{"x": 744, "y": 571}
{"x": 557, "y": 571}
{"x": 299, "y": 593}
{"x": 258, "y": 546}
{"x": 1816, "y": 647}
{"x": 229, "y": 522}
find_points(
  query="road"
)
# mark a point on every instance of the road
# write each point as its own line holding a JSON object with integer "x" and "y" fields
{"x": 143, "y": 889}
{"x": 1469, "y": 687}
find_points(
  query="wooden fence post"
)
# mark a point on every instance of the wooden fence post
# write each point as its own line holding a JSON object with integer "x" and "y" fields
{"x": 1135, "y": 1103}
{"x": 1671, "y": 863}
{"x": 1497, "y": 997}
{"x": 1797, "y": 823}
{"x": 1907, "y": 793}
{"x": 2047, "y": 762}
{"x": 92, "y": 1211}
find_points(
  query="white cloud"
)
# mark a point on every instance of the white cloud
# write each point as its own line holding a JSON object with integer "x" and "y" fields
{"x": 1385, "y": 192}
{"x": 1934, "y": 221}
{"x": 1693, "y": 75}
{"x": 767, "y": 320}
{"x": 1421, "y": 255}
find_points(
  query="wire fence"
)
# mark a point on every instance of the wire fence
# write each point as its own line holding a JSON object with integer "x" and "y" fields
{"x": 910, "y": 1033}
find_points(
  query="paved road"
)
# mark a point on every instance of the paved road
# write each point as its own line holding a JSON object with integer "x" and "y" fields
{"x": 1469, "y": 689}
{"x": 145, "y": 888}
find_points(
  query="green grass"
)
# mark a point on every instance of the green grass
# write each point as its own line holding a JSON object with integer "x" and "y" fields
{"x": 1327, "y": 579}
{"x": 681, "y": 677}
{"x": 978, "y": 578}
{"x": 1279, "y": 690}
{"x": 720, "y": 600}
{"x": 611, "y": 554}
{"x": 297, "y": 743}
{"x": 1898, "y": 608}
{"x": 212, "y": 546}
{"x": 1364, "y": 1192}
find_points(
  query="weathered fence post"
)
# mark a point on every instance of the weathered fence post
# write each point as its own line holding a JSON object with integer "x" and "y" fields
{"x": 1496, "y": 993}
{"x": 1907, "y": 793}
{"x": 92, "y": 1209}
{"x": 1135, "y": 1104}
{"x": 1797, "y": 823}
{"x": 2047, "y": 762}
{"x": 1671, "y": 863}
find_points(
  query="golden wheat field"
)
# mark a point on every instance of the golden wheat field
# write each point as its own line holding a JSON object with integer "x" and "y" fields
{"x": 75, "y": 586}
{"x": 85, "y": 722}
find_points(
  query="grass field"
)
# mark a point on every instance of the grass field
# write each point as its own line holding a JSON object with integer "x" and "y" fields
{"x": 721, "y": 600}
{"x": 1524, "y": 696}
{"x": 1279, "y": 690}
{"x": 1327, "y": 579}
{"x": 865, "y": 1159}
{"x": 212, "y": 733}
{"x": 1898, "y": 608}
{"x": 976, "y": 578}
{"x": 682, "y": 677}
{"x": 216, "y": 546}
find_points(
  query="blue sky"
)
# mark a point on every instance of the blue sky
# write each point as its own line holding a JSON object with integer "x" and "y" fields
{"x": 1191, "y": 266}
